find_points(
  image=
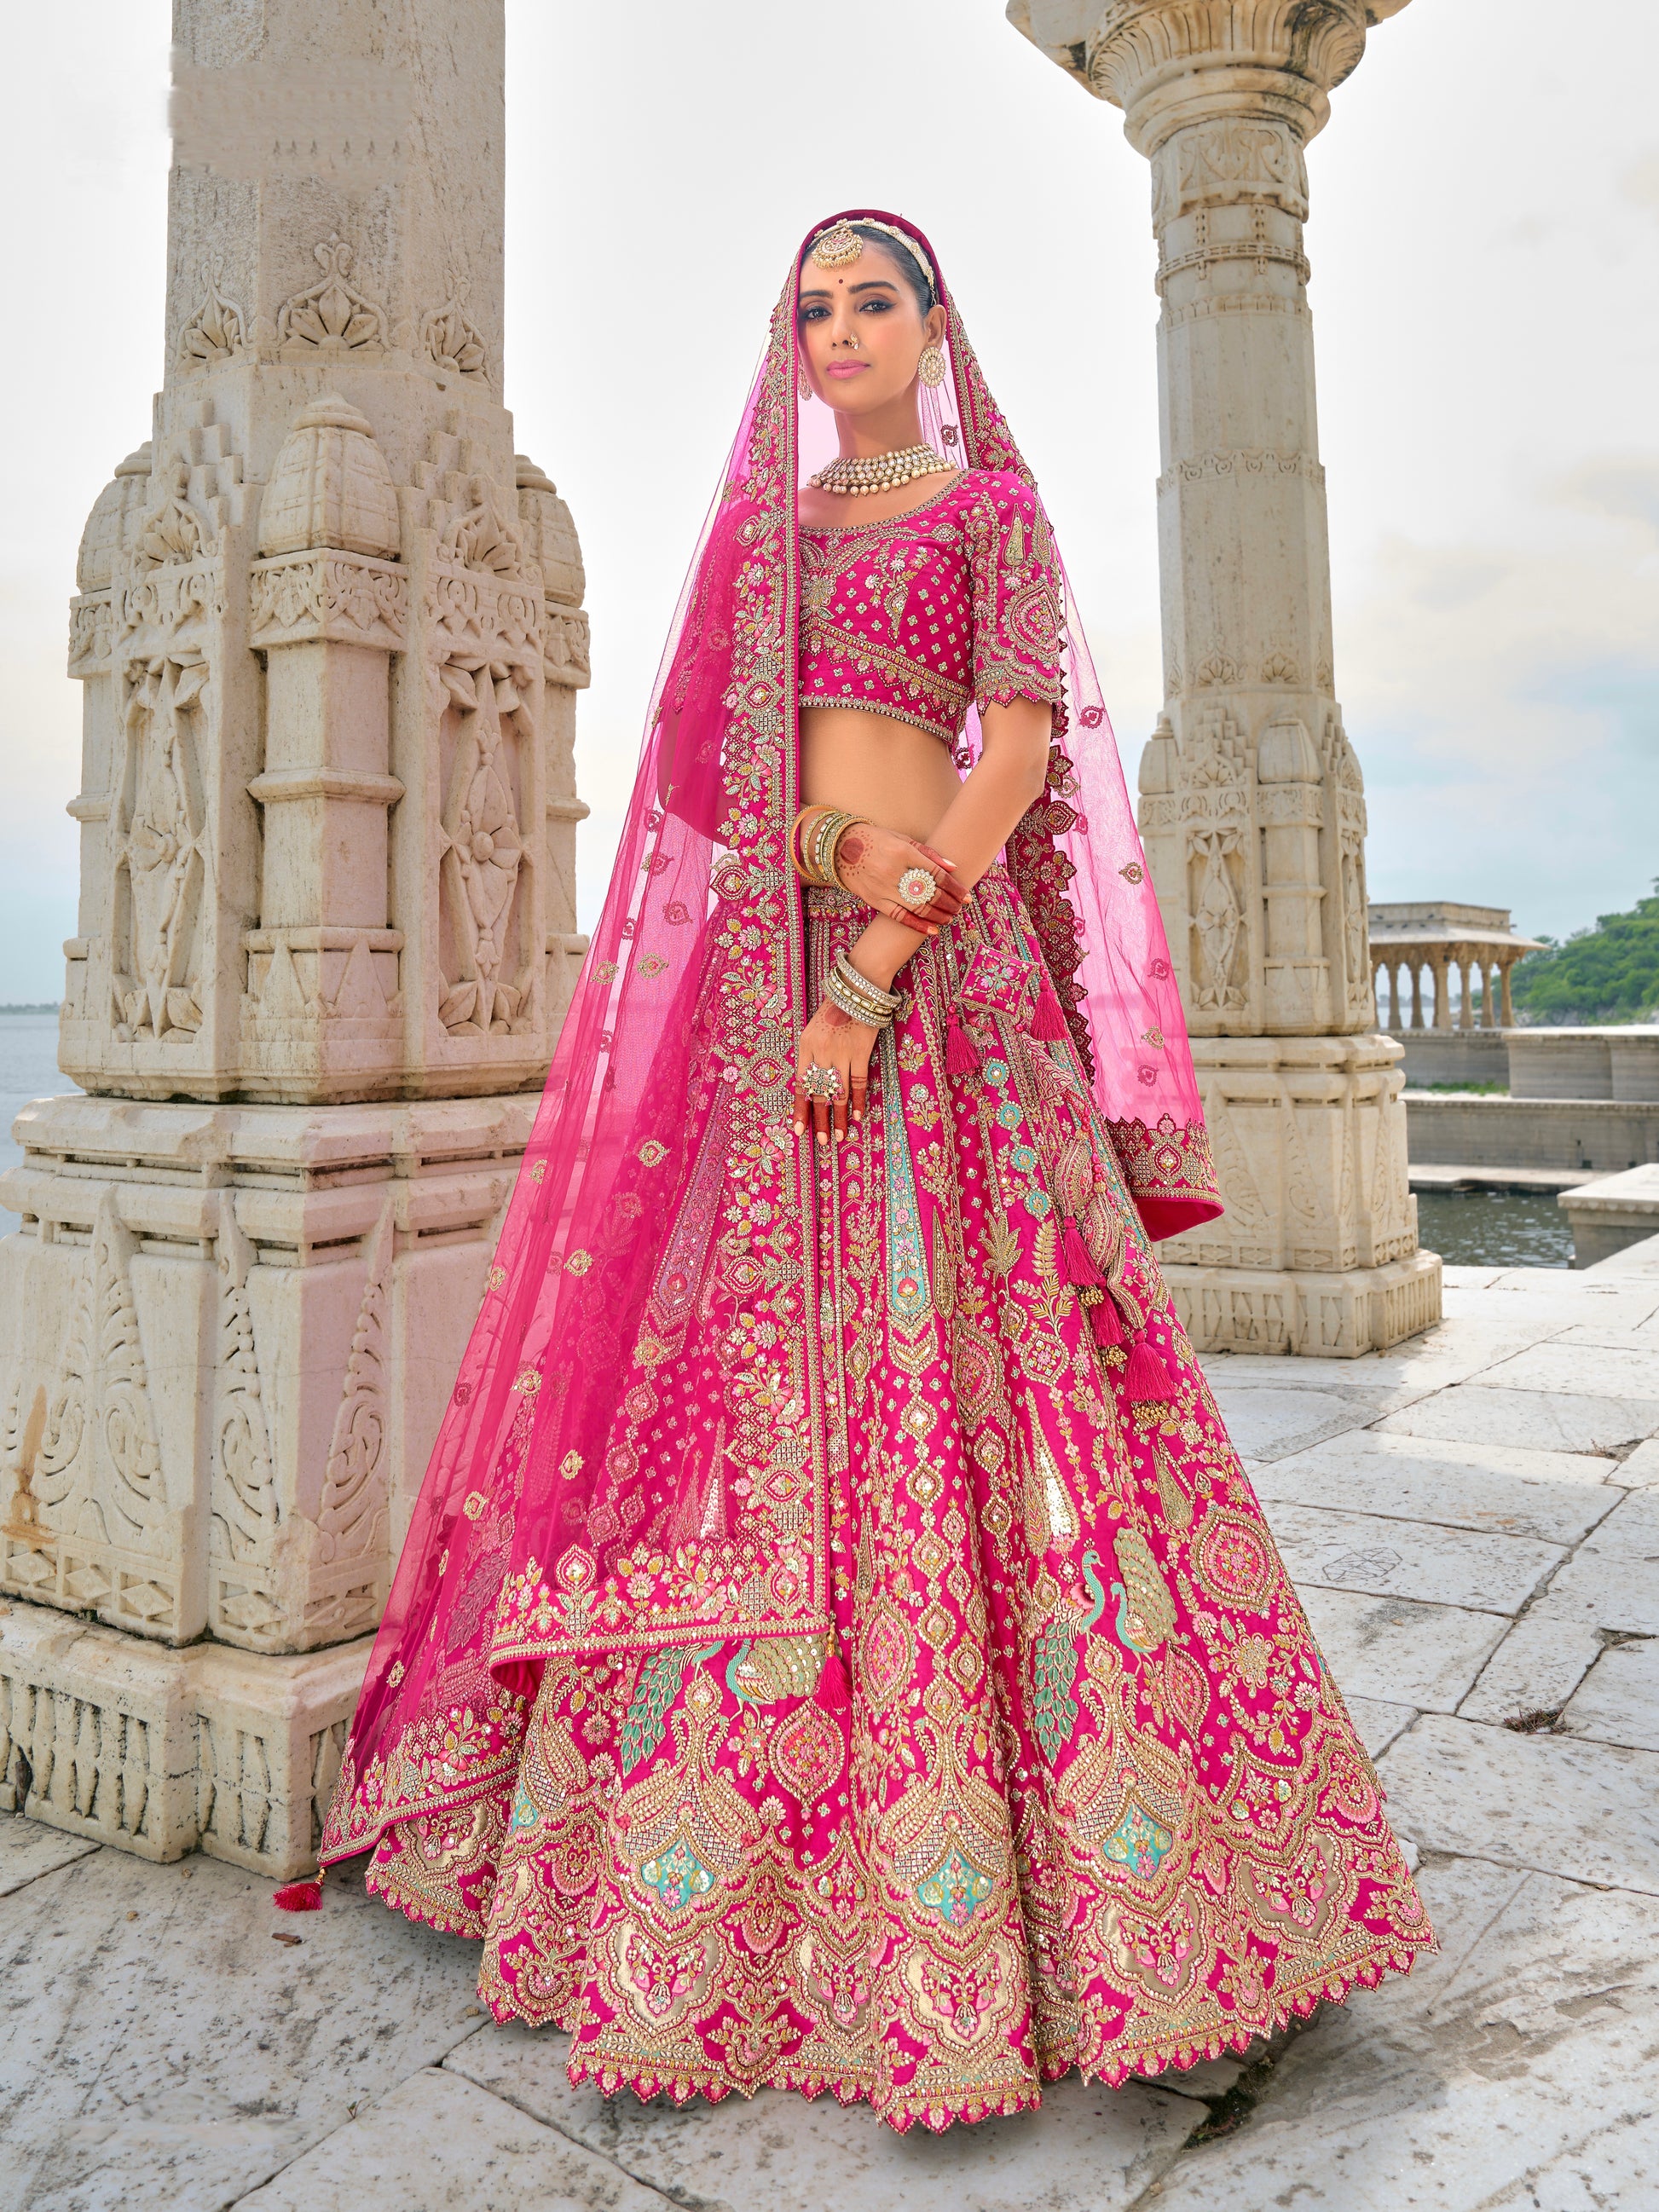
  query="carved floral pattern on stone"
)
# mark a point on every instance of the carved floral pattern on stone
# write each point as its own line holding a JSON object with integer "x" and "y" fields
{"x": 483, "y": 858}
{"x": 332, "y": 316}
{"x": 160, "y": 848}
{"x": 217, "y": 330}
{"x": 449, "y": 338}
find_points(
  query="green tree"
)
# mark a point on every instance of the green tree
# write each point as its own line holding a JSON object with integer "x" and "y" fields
{"x": 1608, "y": 974}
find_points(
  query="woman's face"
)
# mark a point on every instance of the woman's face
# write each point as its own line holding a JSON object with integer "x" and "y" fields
{"x": 861, "y": 331}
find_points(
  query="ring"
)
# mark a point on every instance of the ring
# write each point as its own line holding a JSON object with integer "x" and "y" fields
{"x": 822, "y": 1083}
{"x": 917, "y": 888}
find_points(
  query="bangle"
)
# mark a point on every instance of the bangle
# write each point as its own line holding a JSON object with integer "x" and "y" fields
{"x": 826, "y": 830}
{"x": 859, "y": 999}
{"x": 796, "y": 859}
{"x": 832, "y": 858}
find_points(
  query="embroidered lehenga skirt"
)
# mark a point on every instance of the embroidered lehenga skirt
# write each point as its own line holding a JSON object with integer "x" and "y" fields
{"x": 1070, "y": 1786}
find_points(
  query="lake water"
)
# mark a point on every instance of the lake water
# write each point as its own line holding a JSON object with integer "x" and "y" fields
{"x": 1469, "y": 1229}
{"x": 29, "y": 1069}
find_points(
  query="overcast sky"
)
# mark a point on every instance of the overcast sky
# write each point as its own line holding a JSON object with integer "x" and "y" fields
{"x": 1484, "y": 240}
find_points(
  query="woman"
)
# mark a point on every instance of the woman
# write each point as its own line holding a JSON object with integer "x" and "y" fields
{"x": 837, "y": 1645}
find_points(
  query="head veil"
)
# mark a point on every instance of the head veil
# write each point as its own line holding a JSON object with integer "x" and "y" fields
{"x": 633, "y": 1455}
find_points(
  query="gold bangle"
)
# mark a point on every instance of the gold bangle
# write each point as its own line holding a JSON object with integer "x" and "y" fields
{"x": 796, "y": 851}
{"x": 829, "y": 827}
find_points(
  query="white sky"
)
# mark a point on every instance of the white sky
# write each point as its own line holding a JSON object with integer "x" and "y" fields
{"x": 1484, "y": 241}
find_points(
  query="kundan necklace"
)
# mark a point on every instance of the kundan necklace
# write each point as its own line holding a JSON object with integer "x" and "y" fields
{"x": 857, "y": 473}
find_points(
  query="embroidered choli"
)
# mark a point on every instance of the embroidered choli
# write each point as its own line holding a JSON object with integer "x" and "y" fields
{"x": 955, "y": 604}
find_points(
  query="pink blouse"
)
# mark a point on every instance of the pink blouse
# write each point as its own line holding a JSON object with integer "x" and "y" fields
{"x": 956, "y": 603}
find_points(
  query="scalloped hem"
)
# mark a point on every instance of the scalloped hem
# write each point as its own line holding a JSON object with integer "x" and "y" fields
{"x": 901, "y": 2111}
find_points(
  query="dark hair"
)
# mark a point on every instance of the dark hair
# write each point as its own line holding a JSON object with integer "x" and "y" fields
{"x": 908, "y": 267}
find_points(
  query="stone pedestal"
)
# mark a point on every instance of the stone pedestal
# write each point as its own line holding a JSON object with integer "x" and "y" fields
{"x": 1252, "y": 805}
{"x": 1317, "y": 1250}
{"x": 229, "y": 1332}
{"x": 330, "y": 634}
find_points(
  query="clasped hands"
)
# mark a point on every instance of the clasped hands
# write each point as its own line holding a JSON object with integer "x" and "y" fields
{"x": 896, "y": 876}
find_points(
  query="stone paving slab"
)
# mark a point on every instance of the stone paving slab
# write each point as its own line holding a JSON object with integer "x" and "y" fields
{"x": 1537, "y": 1667}
{"x": 1641, "y": 1469}
{"x": 1558, "y": 1497}
{"x": 1584, "y": 1370}
{"x": 1618, "y": 1701}
{"x": 1267, "y": 1423}
{"x": 1088, "y": 2149}
{"x": 1557, "y": 1804}
{"x": 1402, "y": 1652}
{"x": 28, "y": 1850}
{"x": 158, "y": 2048}
{"x": 1537, "y": 1420}
{"x": 435, "y": 2143}
{"x": 1411, "y": 1559}
{"x": 1378, "y": 1721}
{"x": 1509, "y": 2071}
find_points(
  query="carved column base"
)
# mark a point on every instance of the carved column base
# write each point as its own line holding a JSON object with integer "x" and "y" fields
{"x": 227, "y": 1337}
{"x": 1317, "y": 1250}
{"x": 162, "y": 1751}
{"x": 1316, "y": 1316}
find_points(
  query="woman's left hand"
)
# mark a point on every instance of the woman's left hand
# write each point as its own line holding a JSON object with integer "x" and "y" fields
{"x": 832, "y": 1044}
{"x": 871, "y": 863}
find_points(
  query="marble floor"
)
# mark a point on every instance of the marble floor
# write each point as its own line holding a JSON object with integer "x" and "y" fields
{"x": 1474, "y": 1522}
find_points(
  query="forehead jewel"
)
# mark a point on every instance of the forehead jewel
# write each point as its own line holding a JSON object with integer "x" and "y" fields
{"x": 835, "y": 247}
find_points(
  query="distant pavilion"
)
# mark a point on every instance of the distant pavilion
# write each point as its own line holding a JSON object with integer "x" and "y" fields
{"x": 1432, "y": 938}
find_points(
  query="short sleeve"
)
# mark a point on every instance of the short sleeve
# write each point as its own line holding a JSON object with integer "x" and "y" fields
{"x": 1017, "y": 604}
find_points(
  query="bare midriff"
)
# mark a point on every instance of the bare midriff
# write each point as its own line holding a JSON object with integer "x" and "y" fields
{"x": 872, "y": 765}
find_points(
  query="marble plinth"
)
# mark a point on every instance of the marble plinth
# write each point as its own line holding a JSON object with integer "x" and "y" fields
{"x": 227, "y": 1336}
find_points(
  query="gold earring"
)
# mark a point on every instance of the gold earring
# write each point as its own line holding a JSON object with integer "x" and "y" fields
{"x": 805, "y": 389}
{"x": 931, "y": 367}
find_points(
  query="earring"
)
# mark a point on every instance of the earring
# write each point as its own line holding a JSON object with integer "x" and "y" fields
{"x": 807, "y": 394}
{"x": 931, "y": 367}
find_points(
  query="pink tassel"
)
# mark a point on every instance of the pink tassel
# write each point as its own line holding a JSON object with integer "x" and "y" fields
{"x": 298, "y": 1897}
{"x": 1104, "y": 1320}
{"x": 835, "y": 1692}
{"x": 960, "y": 1057}
{"x": 1048, "y": 1023}
{"x": 1079, "y": 1260}
{"x": 1147, "y": 1379}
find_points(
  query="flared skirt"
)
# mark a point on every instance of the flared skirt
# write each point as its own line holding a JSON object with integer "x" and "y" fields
{"x": 1069, "y": 1785}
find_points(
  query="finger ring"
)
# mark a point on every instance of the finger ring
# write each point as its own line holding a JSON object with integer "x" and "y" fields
{"x": 917, "y": 888}
{"x": 822, "y": 1083}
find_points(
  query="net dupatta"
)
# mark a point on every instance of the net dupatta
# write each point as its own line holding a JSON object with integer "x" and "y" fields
{"x": 637, "y": 1452}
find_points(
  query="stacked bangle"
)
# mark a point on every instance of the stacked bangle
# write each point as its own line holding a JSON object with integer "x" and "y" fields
{"x": 815, "y": 856}
{"x": 859, "y": 998}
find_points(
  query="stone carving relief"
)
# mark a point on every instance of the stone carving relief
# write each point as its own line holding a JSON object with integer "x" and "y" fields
{"x": 488, "y": 976}
{"x": 338, "y": 596}
{"x": 244, "y": 1488}
{"x": 109, "y": 524}
{"x": 1240, "y": 461}
{"x": 1217, "y": 881}
{"x": 351, "y": 1555}
{"x": 332, "y": 316}
{"x": 1232, "y": 158}
{"x": 449, "y": 338}
{"x": 84, "y": 1458}
{"x": 330, "y": 486}
{"x": 217, "y": 331}
{"x": 160, "y": 848}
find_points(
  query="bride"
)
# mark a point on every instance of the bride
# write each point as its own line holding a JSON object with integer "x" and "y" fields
{"x": 837, "y": 1645}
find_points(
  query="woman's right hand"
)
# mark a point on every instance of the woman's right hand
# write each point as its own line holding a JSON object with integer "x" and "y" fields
{"x": 870, "y": 862}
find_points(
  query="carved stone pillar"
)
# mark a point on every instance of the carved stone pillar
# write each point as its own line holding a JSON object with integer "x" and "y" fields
{"x": 1252, "y": 803}
{"x": 330, "y": 633}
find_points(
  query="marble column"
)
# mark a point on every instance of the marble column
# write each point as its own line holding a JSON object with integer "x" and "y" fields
{"x": 1260, "y": 788}
{"x": 330, "y": 634}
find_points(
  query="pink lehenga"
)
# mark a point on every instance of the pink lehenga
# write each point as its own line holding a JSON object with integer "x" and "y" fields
{"x": 837, "y": 1645}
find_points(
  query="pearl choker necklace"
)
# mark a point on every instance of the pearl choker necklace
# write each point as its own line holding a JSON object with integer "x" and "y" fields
{"x": 858, "y": 473}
